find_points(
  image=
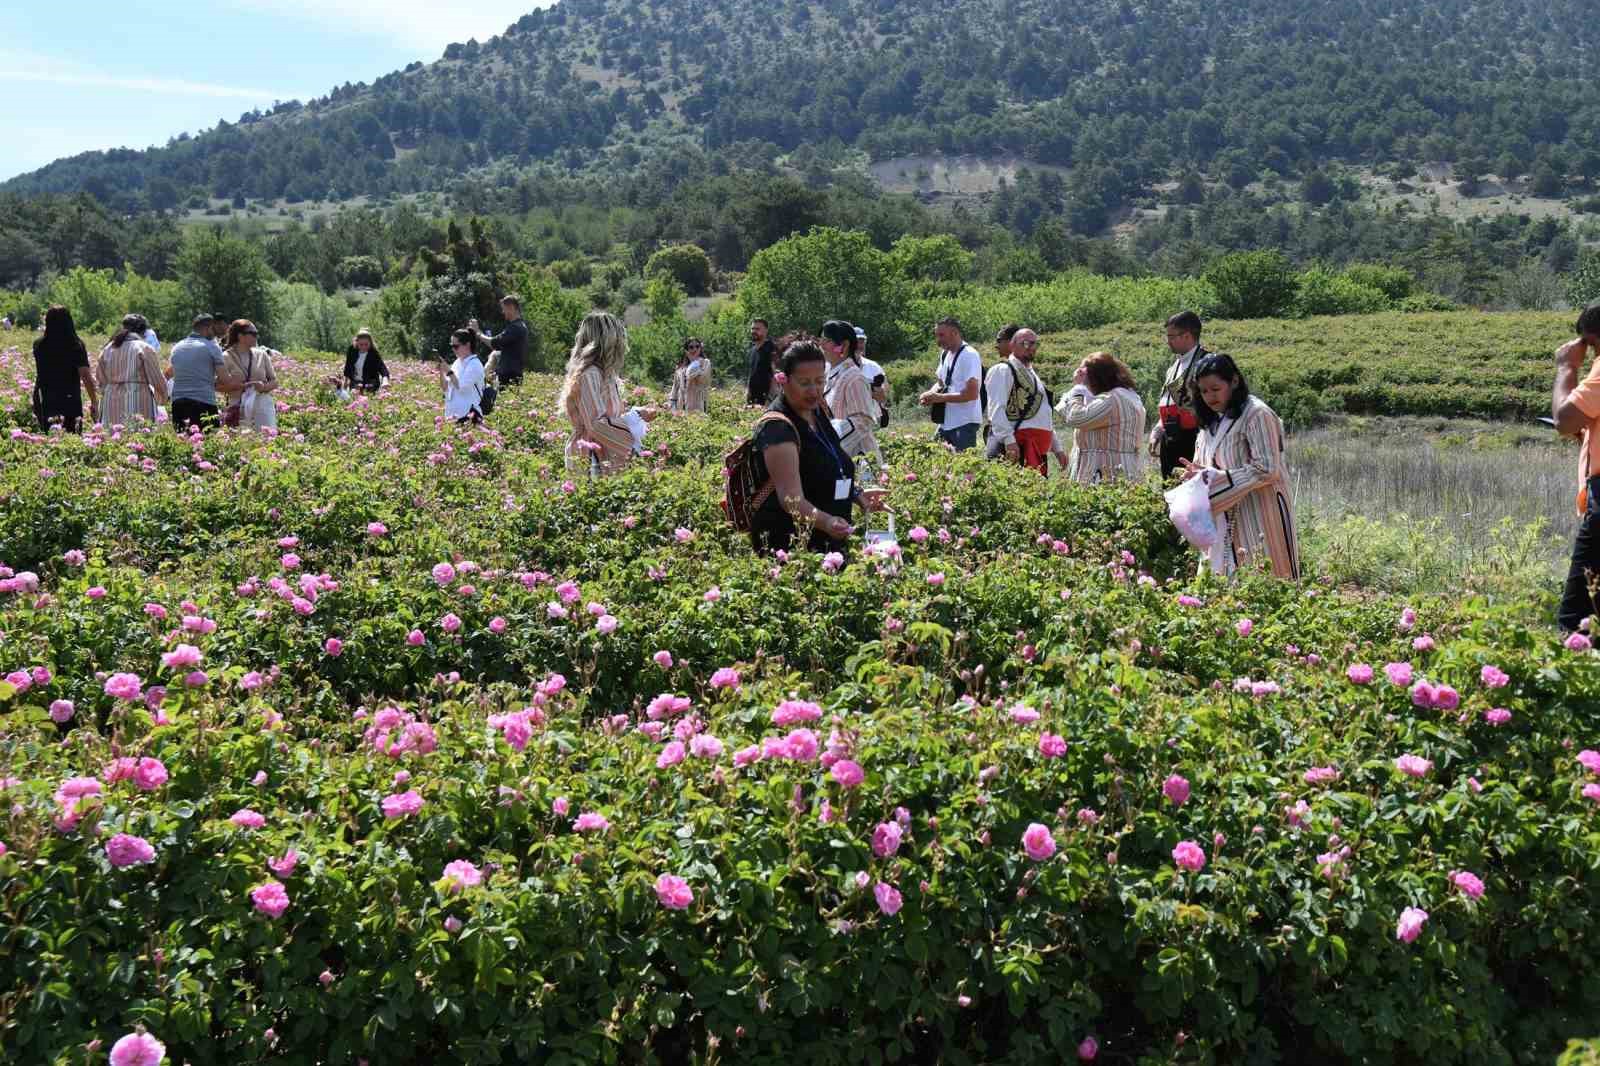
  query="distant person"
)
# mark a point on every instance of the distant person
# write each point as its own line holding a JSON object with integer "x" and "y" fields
{"x": 813, "y": 477}
{"x": 691, "y": 381}
{"x": 1176, "y": 430}
{"x": 1019, "y": 406}
{"x": 1106, "y": 415}
{"x": 151, "y": 339}
{"x": 603, "y": 430}
{"x": 511, "y": 344}
{"x": 462, "y": 380}
{"x": 61, "y": 374}
{"x": 195, "y": 367}
{"x": 846, "y": 393}
{"x": 1240, "y": 454}
{"x": 249, "y": 377}
{"x": 763, "y": 357}
{"x": 364, "y": 369}
{"x": 953, "y": 402}
{"x": 875, "y": 377}
{"x": 5, "y": 323}
{"x": 1575, "y": 407}
{"x": 130, "y": 376}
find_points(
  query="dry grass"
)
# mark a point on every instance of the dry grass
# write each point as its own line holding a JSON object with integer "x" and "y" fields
{"x": 1412, "y": 502}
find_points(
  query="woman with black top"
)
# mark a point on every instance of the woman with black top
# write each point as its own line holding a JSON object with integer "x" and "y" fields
{"x": 61, "y": 372}
{"x": 813, "y": 476}
{"x": 363, "y": 366}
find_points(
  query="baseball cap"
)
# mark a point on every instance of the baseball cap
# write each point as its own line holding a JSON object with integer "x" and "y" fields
{"x": 202, "y": 319}
{"x": 861, "y": 334}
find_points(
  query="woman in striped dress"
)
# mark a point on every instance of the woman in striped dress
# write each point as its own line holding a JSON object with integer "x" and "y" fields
{"x": 1106, "y": 416}
{"x": 129, "y": 374}
{"x": 591, "y": 395}
{"x": 1240, "y": 454}
{"x": 847, "y": 395}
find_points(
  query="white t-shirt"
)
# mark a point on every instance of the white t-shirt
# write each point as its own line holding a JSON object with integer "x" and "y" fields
{"x": 152, "y": 340}
{"x": 968, "y": 367}
{"x": 461, "y": 398}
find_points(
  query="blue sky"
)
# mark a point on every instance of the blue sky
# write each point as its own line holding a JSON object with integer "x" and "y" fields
{"x": 83, "y": 74}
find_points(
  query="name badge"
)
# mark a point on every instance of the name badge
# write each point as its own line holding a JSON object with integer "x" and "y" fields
{"x": 841, "y": 489}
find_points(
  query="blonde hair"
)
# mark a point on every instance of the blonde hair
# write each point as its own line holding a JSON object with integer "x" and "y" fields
{"x": 601, "y": 342}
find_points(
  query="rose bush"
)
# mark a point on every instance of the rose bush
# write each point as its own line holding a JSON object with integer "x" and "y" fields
{"x": 825, "y": 816}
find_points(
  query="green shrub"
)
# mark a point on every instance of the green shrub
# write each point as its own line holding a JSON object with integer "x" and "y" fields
{"x": 1322, "y": 292}
{"x": 1252, "y": 284}
{"x": 803, "y": 281}
{"x": 1027, "y": 597}
{"x": 687, "y": 264}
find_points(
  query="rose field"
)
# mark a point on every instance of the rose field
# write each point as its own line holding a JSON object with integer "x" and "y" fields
{"x": 378, "y": 739}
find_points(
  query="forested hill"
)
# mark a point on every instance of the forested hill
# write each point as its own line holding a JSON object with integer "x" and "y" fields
{"x": 1126, "y": 93}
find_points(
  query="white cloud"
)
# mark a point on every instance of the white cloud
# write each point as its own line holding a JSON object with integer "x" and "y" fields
{"x": 425, "y": 25}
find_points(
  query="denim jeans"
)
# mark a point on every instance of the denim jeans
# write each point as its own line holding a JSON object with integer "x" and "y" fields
{"x": 961, "y": 437}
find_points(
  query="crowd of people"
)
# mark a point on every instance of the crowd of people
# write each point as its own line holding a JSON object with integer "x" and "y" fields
{"x": 816, "y": 441}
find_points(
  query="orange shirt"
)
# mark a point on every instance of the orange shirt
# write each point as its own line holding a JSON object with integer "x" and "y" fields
{"x": 1586, "y": 398}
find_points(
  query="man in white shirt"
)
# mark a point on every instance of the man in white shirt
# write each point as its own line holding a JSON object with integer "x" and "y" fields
{"x": 875, "y": 377}
{"x": 1177, "y": 426}
{"x": 1019, "y": 406}
{"x": 953, "y": 401}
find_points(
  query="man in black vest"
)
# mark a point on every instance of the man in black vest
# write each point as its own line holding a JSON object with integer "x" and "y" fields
{"x": 1177, "y": 427}
{"x": 762, "y": 353}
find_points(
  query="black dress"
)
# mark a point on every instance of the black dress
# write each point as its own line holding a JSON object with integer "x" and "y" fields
{"x": 823, "y": 464}
{"x": 57, "y": 362}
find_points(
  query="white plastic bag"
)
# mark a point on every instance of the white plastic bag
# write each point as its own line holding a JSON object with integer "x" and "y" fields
{"x": 1189, "y": 507}
{"x": 637, "y": 427}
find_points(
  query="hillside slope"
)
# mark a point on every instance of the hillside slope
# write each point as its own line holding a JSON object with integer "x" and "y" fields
{"x": 1122, "y": 92}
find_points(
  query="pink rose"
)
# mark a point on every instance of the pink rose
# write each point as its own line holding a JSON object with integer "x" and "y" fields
{"x": 792, "y": 712}
{"x": 402, "y": 804}
{"x": 886, "y": 839}
{"x": 674, "y": 892}
{"x": 605, "y": 625}
{"x": 1399, "y": 674}
{"x": 671, "y": 755}
{"x": 61, "y": 711}
{"x": 333, "y": 647}
{"x": 1410, "y": 924}
{"x": 726, "y": 677}
{"x": 377, "y": 529}
{"x": 560, "y": 806}
{"x": 1243, "y": 627}
{"x": 848, "y": 773}
{"x": 284, "y": 864}
{"x": 1590, "y": 761}
{"x": 270, "y": 898}
{"x": 245, "y": 818}
{"x": 1189, "y": 856}
{"x": 1359, "y": 673}
{"x": 705, "y": 746}
{"x": 888, "y": 897}
{"x": 936, "y": 579}
{"x": 125, "y": 850}
{"x": 461, "y": 875}
{"x": 1038, "y": 842}
{"x": 1468, "y": 884}
{"x": 1494, "y": 677}
{"x": 138, "y": 1049}
{"x": 590, "y": 822}
{"x": 1176, "y": 789}
{"x": 149, "y": 774}
{"x": 1497, "y": 716}
{"x": 497, "y": 625}
{"x": 1414, "y": 765}
{"x": 450, "y": 623}
{"x": 1088, "y": 1049}
{"x": 662, "y": 659}
{"x": 124, "y": 686}
{"x": 1052, "y": 746}
{"x": 415, "y": 638}
{"x": 443, "y": 574}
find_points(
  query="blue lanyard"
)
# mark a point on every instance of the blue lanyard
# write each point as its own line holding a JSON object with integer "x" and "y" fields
{"x": 833, "y": 453}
